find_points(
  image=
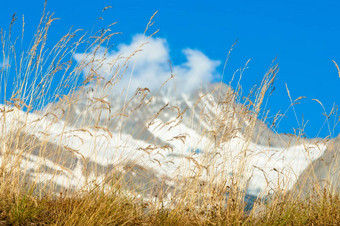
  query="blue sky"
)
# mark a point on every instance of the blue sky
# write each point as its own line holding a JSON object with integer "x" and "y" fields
{"x": 303, "y": 35}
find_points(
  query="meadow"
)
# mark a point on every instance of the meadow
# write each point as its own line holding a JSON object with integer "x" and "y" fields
{"x": 80, "y": 148}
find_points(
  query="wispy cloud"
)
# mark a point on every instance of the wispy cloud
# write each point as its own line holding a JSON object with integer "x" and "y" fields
{"x": 151, "y": 66}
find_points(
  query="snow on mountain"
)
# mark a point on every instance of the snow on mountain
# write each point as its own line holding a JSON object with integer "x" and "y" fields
{"x": 154, "y": 139}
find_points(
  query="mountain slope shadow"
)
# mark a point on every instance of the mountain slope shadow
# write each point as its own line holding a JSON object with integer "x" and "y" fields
{"x": 322, "y": 173}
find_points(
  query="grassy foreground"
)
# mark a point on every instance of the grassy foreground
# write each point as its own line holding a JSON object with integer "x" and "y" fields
{"x": 34, "y": 86}
{"x": 108, "y": 209}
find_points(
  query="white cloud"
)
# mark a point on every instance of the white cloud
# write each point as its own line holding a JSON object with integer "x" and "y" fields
{"x": 151, "y": 66}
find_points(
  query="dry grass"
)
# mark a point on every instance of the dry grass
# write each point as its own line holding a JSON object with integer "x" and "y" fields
{"x": 112, "y": 209}
{"x": 126, "y": 193}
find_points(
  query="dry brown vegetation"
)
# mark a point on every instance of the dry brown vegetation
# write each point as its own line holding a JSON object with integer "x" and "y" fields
{"x": 127, "y": 194}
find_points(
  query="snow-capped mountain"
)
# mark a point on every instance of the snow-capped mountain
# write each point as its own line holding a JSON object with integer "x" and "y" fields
{"x": 154, "y": 140}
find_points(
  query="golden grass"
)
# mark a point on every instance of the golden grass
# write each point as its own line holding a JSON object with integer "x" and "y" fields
{"x": 118, "y": 198}
{"x": 112, "y": 209}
